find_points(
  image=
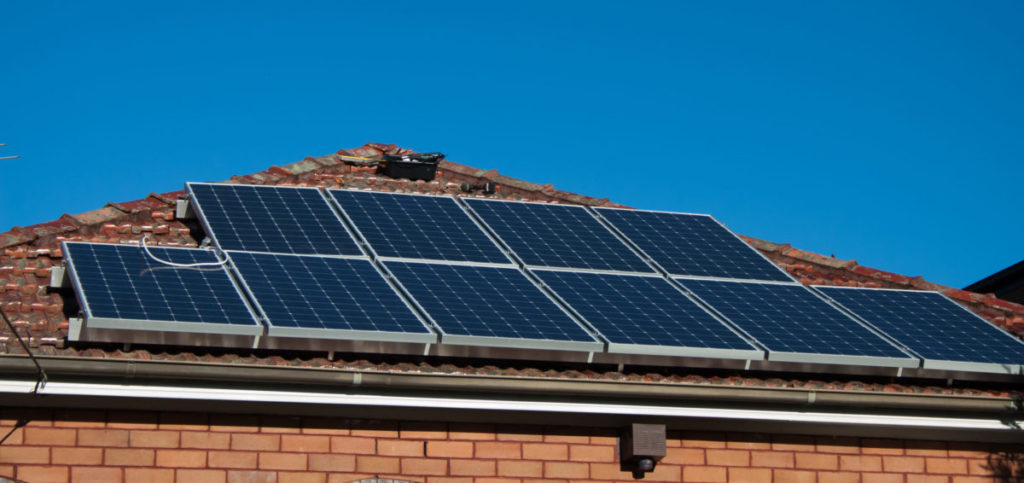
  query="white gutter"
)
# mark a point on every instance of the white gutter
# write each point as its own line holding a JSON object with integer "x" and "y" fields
{"x": 171, "y": 393}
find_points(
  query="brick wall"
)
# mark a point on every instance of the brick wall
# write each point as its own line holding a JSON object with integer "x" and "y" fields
{"x": 75, "y": 445}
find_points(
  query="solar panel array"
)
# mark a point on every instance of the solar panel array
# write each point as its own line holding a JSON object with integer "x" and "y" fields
{"x": 931, "y": 325}
{"x": 547, "y": 235}
{"x": 417, "y": 227}
{"x": 271, "y": 219}
{"x": 120, "y": 286}
{"x": 574, "y": 279}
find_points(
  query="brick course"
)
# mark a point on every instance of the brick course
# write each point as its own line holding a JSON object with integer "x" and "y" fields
{"x": 67, "y": 446}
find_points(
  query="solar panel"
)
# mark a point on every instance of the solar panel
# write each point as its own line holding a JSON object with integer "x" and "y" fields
{"x": 491, "y": 306}
{"x": 418, "y": 226}
{"x": 327, "y": 297}
{"x": 646, "y": 315}
{"x": 933, "y": 326}
{"x": 694, "y": 245}
{"x": 271, "y": 219}
{"x": 120, "y": 287}
{"x": 796, "y": 325}
{"x": 547, "y": 235}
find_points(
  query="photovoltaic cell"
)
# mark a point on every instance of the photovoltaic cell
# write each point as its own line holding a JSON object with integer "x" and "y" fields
{"x": 311, "y": 295}
{"x": 124, "y": 287}
{"x": 271, "y": 219}
{"x": 417, "y": 226}
{"x": 930, "y": 325}
{"x": 638, "y": 310}
{"x": 489, "y": 302}
{"x": 549, "y": 235}
{"x": 791, "y": 319}
{"x": 694, "y": 245}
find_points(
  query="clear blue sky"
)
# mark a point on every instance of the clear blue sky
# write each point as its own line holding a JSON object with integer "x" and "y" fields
{"x": 891, "y": 133}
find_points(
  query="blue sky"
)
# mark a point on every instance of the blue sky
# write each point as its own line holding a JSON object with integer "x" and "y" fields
{"x": 892, "y": 134}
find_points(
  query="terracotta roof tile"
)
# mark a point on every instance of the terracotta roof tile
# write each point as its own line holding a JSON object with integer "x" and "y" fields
{"x": 29, "y": 252}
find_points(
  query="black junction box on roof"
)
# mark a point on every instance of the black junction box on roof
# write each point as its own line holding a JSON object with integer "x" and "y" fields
{"x": 413, "y": 166}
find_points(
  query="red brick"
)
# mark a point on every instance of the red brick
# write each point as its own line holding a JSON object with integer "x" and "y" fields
{"x": 451, "y": 449}
{"x": 129, "y": 457}
{"x": 234, "y": 423}
{"x": 397, "y": 447}
{"x": 499, "y": 450}
{"x": 927, "y": 448}
{"x": 751, "y": 475}
{"x": 471, "y": 431}
{"x": 154, "y": 439}
{"x": 727, "y": 457}
{"x": 424, "y": 430}
{"x": 684, "y": 456}
{"x": 545, "y": 451}
{"x": 979, "y": 467}
{"x": 233, "y": 459}
{"x": 814, "y": 461}
{"x": 21, "y": 454}
{"x": 305, "y": 443}
{"x": 521, "y": 468}
{"x": 748, "y": 441}
{"x": 946, "y": 466}
{"x": 375, "y": 429}
{"x": 332, "y": 462}
{"x": 567, "y": 438}
{"x": 516, "y": 433}
{"x": 608, "y": 471}
{"x": 838, "y": 477}
{"x": 881, "y": 478}
{"x": 235, "y": 476}
{"x": 203, "y": 476}
{"x": 792, "y": 442}
{"x": 703, "y": 440}
{"x": 301, "y": 477}
{"x": 838, "y": 445}
{"x": 184, "y": 421}
{"x": 605, "y": 436}
{"x": 49, "y": 436}
{"x": 968, "y": 450}
{"x": 283, "y": 461}
{"x": 860, "y": 463}
{"x": 972, "y": 479}
{"x": 148, "y": 475}
{"x": 92, "y": 473}
{"x": 36, "y": 417}
{"x": 256, "y": 442}
{"x": 103, "y": 437}
{"x": 437, "y": 479}
{"x": 424, "y": 466}
{"x": 205, "y": 440}
{"x": 903, "y": 464}
{"x": 78, "y": 418}
{"x": 7, "y": 471}
{"x": 134, "y": 420}
{"x": 772, "y": 459}
{"x": 882, "y": 446}
{"x": 472, "y": 468}
{"x": 598, "y": 454}
{"x": 77, "y": 456}
{"x": 45, "y": 474}
{"x": 502, "y": 480}
{"x": 793, "y": 476}
{"x": 16, "y": 436}
{"x": 554, "y": 469}
{"x": 927, "y": 479}
{"x": 325, "y": 426}
{"x": 704, "y": 474}
{"x": 280, "y": 424}
{"x": 180, "y": 458}
{"x": 377, "y": 464}
{"x": 353, "y": 445}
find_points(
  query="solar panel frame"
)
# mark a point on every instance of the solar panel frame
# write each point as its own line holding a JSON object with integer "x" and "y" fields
{"x": 627, "y": 257}
{"x": 253, "y": 327}
{"x": 933, "y": 363}
{"x": 500, "y": 258}
{"x": 909, "y": 361}
{"x": 595, "y": 345}
{"x": 782, "y": 275}
{"x": 429, "y": 336}
{"x": 347, "y": 245}
{"x": 751, "y": 352}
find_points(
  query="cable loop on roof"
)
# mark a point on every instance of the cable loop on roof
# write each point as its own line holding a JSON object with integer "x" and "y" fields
{"x": 144, "y": 247}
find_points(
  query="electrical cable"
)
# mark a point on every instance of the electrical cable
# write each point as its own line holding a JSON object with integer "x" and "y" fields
{"x": 144, "y": 247}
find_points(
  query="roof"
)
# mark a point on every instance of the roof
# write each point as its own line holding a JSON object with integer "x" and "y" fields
{"x": 1007, "y": 284}
{"x": 39, "y": 313}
